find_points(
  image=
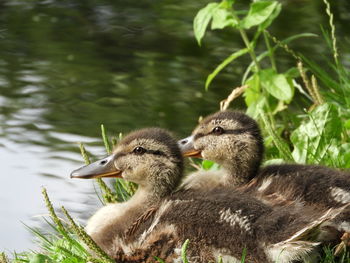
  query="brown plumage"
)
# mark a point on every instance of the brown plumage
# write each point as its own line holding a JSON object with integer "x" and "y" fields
{"x": 233, "y": 140}
{"x": 148, "y": 157}
{"x": 157, "y": 219}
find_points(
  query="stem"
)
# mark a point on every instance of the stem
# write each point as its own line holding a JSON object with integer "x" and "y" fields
{"x": 272, "y": 59}
{"x": 253, "y": 57}
{"x": 268, "y": 108}
{"x": 247, "y": 42}
{"x": 248, "y": 45}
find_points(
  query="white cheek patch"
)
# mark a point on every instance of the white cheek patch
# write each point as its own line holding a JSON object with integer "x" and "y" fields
{"x": 340, "y": 195}
{"x": 235, "y": 218}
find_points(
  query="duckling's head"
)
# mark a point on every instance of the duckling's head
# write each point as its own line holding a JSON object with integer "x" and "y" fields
{"x": 149, "y": 157}
{"x": 229, "y": 138}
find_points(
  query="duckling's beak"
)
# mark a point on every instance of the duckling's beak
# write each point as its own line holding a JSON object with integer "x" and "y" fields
{"x": 98, "y": 169}
{"x": 187, "y": 148}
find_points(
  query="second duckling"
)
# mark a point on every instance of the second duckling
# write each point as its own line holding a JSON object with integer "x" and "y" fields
{"x": 233, "y": 140}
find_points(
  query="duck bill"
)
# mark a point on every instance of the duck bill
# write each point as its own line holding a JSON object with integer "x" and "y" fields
{"x": 99, "y": 169}
{"x": 192, "y": 153}
{"x": 187, "y": 148}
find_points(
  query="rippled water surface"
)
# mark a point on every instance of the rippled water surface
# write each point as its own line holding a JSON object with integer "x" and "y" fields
{"x": 68, "y": 66}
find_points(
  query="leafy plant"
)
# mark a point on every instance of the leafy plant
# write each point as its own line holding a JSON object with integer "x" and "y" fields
{"x": 268, "y": 89}
{"x": 316, "y": 139}
{"x": 320, "y": 134}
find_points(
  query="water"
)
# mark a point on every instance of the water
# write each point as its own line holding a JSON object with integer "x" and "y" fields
{"x": 68, "y": 66}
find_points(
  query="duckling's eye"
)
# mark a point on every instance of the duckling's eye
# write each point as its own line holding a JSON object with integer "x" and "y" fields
{"x": 139, "y": 150}
{"x": 218, "y": 130}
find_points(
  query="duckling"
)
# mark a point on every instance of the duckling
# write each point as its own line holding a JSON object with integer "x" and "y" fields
{"x": 233, "y": 140}
{"x": 161, "y": 216}
{"x": 148, "y": 157}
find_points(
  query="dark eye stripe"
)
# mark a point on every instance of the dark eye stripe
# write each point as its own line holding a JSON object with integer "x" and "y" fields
{"x": 154, "y": 152}
{"x": 237, "y": 131}
{"x": 157, "y": 152}
{"x": 233, "y": 131}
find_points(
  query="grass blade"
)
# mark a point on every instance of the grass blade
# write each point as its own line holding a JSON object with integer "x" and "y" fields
{"x": 184, "y": 251}
{"x": 105, "y": 139}
{"x": 223, "y": 64}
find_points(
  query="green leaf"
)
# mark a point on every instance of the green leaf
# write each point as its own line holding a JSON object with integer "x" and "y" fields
{"x": 209, "y": 165}
{"x": 297, "y": 36}
{"x": 252, "y": 94}
{"x": 292, "y": 73}
{"x": 223, "y": 18}
{"x": 345, "y": 155}
{"x": 347, "y": 124}
{"x": 229, "y": 2}
{"x": 276, "y": 84}
{"x": 223, "y": 64}
{"x": 271, "y": 18}
{"x": 202, "y": 19}
{"x": 72, "y": 260}
{"x": 266, "y": 53}
{"x": 39, "y": 258}
{"x": 317, "y": 136}
{"x": 255, "y": 108}
{"x": 258, "y": 13}
{"x": 280, "y": 143}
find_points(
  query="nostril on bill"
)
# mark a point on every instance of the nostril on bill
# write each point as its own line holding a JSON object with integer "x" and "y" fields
{"x": 184, "y": 142}
{"x": 103, "y": 162}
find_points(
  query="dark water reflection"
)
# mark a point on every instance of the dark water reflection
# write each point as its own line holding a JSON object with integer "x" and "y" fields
{"x": 68, "y": 66}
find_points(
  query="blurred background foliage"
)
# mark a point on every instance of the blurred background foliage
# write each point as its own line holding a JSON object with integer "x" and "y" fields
{"x": 90, "y": 62}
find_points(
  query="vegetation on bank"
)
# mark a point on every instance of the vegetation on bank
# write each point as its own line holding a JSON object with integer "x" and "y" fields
{"x": 317, "y": 133}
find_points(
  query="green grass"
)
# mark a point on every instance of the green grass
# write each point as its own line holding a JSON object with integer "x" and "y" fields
{"x": 67, "y": 242}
